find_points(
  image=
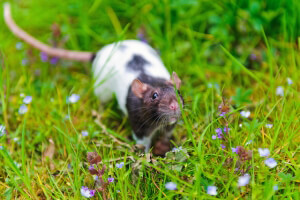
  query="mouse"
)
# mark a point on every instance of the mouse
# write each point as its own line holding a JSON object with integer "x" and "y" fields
{"x": 132, "y": 71}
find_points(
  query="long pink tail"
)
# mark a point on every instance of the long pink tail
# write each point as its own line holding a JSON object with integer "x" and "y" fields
{"x": 51, "y": 51}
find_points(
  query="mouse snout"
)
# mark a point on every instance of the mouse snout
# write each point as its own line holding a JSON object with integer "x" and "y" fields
{"x": 173, "y": 105}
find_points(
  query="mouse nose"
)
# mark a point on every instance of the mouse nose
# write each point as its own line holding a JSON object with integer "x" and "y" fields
{"x": 173, "y": 105}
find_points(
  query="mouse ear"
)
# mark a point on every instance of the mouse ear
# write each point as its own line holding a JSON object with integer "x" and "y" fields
{"x": 138, "y": 88}
{"x": 176, "y": 80}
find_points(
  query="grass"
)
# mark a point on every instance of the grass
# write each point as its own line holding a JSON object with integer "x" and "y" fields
{"x": 209, "y": 44}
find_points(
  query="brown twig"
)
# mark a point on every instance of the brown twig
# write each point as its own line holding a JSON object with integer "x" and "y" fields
{"x": 120, "y": 158}
{"x": 158, "y": 187}
{"x": 97, "y": 121}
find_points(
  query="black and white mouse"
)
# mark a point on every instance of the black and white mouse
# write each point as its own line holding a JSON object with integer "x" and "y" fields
{"x": 134, "y": 72}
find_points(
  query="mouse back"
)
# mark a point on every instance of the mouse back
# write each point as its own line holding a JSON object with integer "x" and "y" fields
{"x": 117, "y": 65}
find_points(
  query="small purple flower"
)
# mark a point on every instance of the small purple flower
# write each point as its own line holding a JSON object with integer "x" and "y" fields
{"x": 212, "y": 190}
{"x": 219, "y": 133}
{"x": 84, "y": 133}
{"x": 244, "y": 180}
{"x": 110, "y": 180}
{"x": 2, "y": 130}
{"x": 214, "y": 137}
{"x": 120, "y": 165}
{"x": 96, "y": 178}
{"x": 44, "y": 57}
{"x": 275, "y": 187}
{"x": 86, "y": 192}
{"x": 92, "y": 192}
{"x": 222, "y": 114}
{"x": 253, "y": 57}
{"x": 264, "y": 152}
{"x": 19, "y": 45}
{"x": 141, "y": 37}
{"x": 91, "y": 167}
{"x": 223, "y": 146}
{"x": 54, "y": 60}
{"x": 1, "y": 147}
{"x": 24, "y": 62}
{"x": 226, "y": 130}
{"x": 27, "y": 99}
{"x": 235, "y": 150}
{"x": 73, "y": 98}
{"x": 171, "y": 186}
{"x": 271, "y": 162}
{"x": 23, "y": 109}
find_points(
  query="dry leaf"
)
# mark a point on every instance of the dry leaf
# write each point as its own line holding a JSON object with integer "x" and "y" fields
{"x": 93, "y": 158}
{"x": 49, "y": 152}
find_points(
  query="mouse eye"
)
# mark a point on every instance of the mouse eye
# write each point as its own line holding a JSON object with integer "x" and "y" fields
{"x": 155, "y": 95}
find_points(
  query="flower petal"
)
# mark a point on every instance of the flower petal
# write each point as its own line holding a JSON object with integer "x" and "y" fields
{"x": 171, "y": 186}
{"x": 244, "y": 180}
{"x": 212, "y": 190}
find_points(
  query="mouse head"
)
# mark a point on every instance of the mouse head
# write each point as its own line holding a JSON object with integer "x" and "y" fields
{"x": 159, "y": 98}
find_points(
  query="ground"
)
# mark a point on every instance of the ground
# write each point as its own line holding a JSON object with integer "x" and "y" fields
{"x": 239, "y": 65}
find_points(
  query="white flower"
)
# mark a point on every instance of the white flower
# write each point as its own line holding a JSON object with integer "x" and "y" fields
{"x": 177, "y": 149}
{"x": 18, "y": 164}
{"x": 73, "y": 98}
{"x": 23, "y": 109}
{"x": 249, "y": 142}
{"x": 86, "y": 192}
{"x": 244, "y": 180}
{"x": 212, "y": 190}
{"x": 240, "y": 125}
{"x": 19, "y": 45}
{"x": 27, "y": 99}
{"x": 264, "y": 152}
{"x": 269, "y": 125}
{"x": 84, "y": 133}
{"x": 120, "y": 165}
{"x": 171, "y": 186}
{"x": 289, "y": 80}
{"x": 280, "y": 91}
{"x": 271, "y": 162}
{"x": 22, "y": 95}
{"x": 2, "y": 130}
{"x": 245, "y": 114}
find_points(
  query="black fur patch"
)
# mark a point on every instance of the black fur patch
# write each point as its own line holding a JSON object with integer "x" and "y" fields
{"x": 93, "y": 58}
{"x": 137, "y": 63}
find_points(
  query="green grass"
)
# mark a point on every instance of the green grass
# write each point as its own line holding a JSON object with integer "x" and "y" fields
{"x": 208, "y": 44}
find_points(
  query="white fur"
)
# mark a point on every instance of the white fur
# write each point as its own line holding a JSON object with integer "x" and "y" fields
{"x": 145, "y": 141}
{"x": 112, "y": 75}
